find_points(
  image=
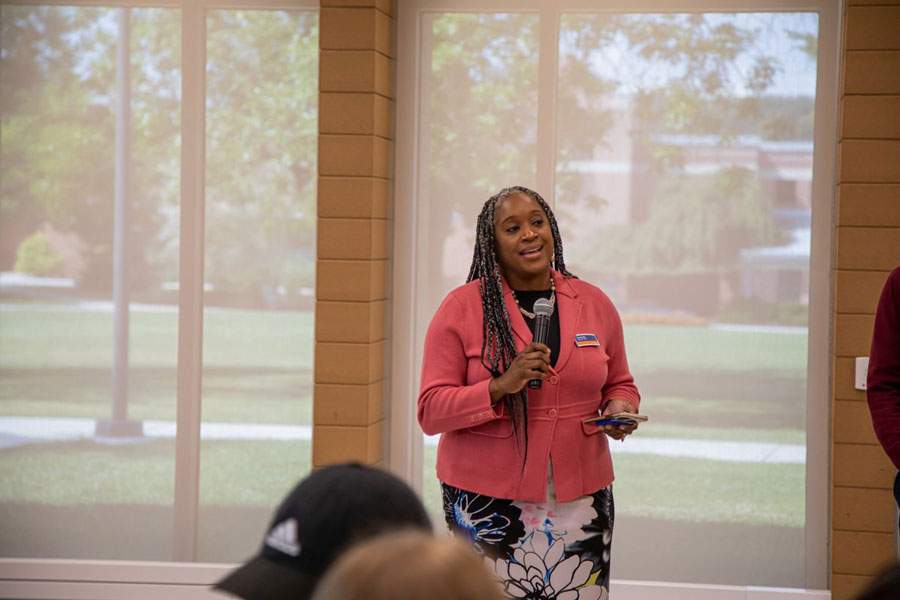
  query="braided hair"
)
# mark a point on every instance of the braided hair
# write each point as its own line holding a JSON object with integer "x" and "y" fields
{"x": 498, "y": 346}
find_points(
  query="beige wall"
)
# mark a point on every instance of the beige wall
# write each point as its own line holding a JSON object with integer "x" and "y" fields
{"x": 867, "y": 247}
{"x": 352, "y": 289}
{"x": 355, "y": 129}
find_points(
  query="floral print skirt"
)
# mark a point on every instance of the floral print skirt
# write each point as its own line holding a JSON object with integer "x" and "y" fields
{"x": 538, "y": 550}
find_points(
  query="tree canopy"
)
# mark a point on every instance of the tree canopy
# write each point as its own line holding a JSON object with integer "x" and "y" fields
{"x": 58, "y": 116}
{"x": 682, "y": 74}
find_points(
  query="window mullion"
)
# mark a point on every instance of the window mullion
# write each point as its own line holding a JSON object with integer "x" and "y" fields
{"x": 821, "y": 269}
{"x": 190, "y": 280}
{"x": 546, "y": 126}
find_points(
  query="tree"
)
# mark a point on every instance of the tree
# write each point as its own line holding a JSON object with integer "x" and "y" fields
{"x": 262, "y": 98}
{"x": 678, "y": 73}
{"x": 701, "y": 223}
{"x": 59, "y": 127}
{"x": 58, "y": 68}
{"x": 480, "y": 115}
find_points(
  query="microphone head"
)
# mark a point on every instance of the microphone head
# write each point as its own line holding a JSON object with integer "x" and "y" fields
{"x": 542, "y": 306}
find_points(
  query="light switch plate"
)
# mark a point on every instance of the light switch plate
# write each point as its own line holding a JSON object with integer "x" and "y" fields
{"x": 862, "y": 370}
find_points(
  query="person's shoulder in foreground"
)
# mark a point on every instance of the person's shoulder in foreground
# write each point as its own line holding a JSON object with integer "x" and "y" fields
{"x": 409, "y": 566}
{"x": 333, "y": 508}
{"x": 885, "y": 586}
{"x": 883, "y": 385}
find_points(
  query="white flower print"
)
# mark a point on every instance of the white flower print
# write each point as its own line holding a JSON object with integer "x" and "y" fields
{"x": 565, "y": 521}
{"x": 541, "y": 573}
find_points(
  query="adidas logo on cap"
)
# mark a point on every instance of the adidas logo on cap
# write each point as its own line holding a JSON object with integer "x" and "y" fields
{"x": 283, "y": 538}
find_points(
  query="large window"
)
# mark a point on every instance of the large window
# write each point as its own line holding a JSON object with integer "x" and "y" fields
{"x": 137, "y": 144}
{"x": 677, "y": 150}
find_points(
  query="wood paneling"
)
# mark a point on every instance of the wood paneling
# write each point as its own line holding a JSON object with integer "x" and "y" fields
{"x": 873, "y": 28}
{"x": 869, "y": 161}
{"x": 862, "y": 465}
{"x": 870, "y": 117}
{"x": 872, "y": 72}
{"x": 862, "y": 552}
{"x": 355, "y": 113}
{"x": 868, "y": 248}
{"x": 348, "y": 197}
{"x": 340, "y": 443}
{"x": 867, "y": 240}
{"x": 852, "y": 423}
{"x": 355, "y": 71}
{"x": 385, "y": 6}
{"x": 354, "y": 155}
{"x": 349, "y": 363}
{"x": 355, "y": 28}
{"x": 351, "y": 280}
{"x": 343, "y": 404}
{"x": 848, "y": 587}
{"x": 853, "y": 335}
{"x": 867, "y": 204}
{"x": 863, "y": 509}
{"x": 858, "y": 291}
{"x": 844, "y": 379}
{"x": 352, "y": 238}
{"x": 350, "y": 321}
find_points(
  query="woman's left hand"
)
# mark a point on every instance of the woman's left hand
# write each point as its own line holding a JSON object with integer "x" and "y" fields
{"x": 619, "y": 432}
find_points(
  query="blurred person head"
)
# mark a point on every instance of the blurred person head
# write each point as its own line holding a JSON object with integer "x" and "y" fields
{"x": 410, "y": 565}
{"x": 886, "y": 586}
{"x": 333, "y": 508}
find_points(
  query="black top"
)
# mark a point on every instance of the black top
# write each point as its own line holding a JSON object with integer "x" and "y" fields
{"x": 526, "y": 300}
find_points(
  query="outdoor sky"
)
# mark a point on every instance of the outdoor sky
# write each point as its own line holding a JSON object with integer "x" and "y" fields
{"x": 795, "y": 74}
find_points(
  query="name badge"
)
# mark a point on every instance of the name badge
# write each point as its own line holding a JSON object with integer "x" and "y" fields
{"x": 586, "y": 339}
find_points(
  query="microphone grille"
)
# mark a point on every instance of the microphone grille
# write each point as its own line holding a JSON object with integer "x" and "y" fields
{"x": 542, "y": 306}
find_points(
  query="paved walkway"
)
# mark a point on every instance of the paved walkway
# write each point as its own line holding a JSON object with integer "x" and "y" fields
{"x": 17, "y": 431}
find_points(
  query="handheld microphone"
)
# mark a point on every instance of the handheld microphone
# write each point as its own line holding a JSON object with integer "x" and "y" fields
{"x": 543, "y": 309}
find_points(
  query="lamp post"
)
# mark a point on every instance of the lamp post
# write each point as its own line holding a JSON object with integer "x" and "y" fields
{"x": 119, "y": 425}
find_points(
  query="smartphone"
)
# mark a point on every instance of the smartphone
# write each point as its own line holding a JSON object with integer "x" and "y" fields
{"x": 622, "y": 418}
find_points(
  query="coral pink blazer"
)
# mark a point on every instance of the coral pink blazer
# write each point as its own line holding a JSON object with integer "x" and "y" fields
{"x": 478, "y": 451}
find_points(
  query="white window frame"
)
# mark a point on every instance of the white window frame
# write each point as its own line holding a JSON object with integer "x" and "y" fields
{"x": 405, "y": 443}
{"x": 63, "y": 578}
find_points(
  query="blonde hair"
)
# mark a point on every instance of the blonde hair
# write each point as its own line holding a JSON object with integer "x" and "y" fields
{"x": 409, "y": 565}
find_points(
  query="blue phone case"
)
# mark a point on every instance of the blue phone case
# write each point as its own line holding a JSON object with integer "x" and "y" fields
{"x": 618, "y": 421}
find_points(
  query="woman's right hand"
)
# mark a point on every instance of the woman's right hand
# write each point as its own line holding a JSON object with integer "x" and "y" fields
{"x": 532, "y": 362}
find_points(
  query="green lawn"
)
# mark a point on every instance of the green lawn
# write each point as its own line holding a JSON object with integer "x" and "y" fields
{"x": 257, "y": 365}
{"x": 695, "y": 490}
{"x": 709, "y": 379}
{"x": 87, "y": 472}
{"x": 680, "y": 347}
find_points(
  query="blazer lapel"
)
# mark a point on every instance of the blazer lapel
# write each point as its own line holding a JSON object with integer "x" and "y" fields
{"x": 569, "y": 315}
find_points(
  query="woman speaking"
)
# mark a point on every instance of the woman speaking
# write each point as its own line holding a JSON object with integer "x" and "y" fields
{"x": 524, "y": 477}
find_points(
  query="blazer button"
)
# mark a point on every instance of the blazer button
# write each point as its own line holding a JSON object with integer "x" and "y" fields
{"x": 552, "y": 412}
{"x": 554, "y": 379}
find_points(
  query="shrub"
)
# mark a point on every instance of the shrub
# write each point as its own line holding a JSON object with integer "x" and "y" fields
{"x": 35, "y": 256}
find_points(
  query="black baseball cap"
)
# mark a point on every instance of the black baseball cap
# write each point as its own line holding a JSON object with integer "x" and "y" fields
{"x": 324, "y": 514}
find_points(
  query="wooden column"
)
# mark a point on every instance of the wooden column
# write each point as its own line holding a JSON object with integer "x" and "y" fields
{"x": 354, "y": 198}
{"x": 867, "y": 248}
